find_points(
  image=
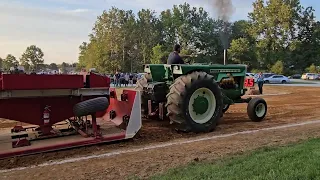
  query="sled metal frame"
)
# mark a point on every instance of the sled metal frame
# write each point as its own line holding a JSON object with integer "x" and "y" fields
{"x": 126, "y": 123}
{"x": 7, "y": 94}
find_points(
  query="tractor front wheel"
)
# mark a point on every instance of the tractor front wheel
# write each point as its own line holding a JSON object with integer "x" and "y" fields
{"x": 195, "y": 102}
{"x": 257, "y": 109}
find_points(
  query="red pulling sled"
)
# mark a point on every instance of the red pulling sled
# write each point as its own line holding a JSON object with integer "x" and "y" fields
{"x": 64, "y": 111}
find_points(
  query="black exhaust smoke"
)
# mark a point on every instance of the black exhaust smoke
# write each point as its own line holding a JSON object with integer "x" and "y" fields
{"x": 224, "y": 10}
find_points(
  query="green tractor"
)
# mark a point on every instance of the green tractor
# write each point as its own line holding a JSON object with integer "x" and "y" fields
{"x": 194, "y": 97}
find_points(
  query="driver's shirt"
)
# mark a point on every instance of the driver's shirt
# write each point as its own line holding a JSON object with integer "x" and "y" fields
{"x": 174, "y": 58}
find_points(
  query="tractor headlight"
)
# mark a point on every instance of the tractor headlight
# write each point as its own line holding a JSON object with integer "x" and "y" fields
{"x": 147, "y": 69}
{"x": 177, "y": 70}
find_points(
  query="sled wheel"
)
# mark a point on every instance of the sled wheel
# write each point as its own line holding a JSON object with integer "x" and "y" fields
{"x": 90, "y": 106}
{"x": 195, "y": 102}
{"x": 257, "y": 109}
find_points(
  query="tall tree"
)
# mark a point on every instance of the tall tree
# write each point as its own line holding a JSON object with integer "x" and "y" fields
{"x": 159, "y": 55}
{"x": 64, "y": 67}
{"x": 240, "y": 29}
{"x": 112, "y": 41}
{"x": 147, "y": 33}
{"x": 276, "y": 30}
{"x": 277, "y": 68}
{"x": 194, "y": 30}
{"x": 32, "y": 57}
{"x": 1, "y": 63}
{"x": 272, "y": 27}
{"x": 9, "y": 62}
{"x": 82, "y": 55}
{"x": 307, "y": 46}
{"x": 53, "y": 66}
{"x": 242, "y": 51}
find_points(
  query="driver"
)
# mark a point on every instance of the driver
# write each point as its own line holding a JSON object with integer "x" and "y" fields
{"x": 174, "y": 57}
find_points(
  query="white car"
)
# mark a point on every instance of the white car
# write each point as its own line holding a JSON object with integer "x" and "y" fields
{"x": 277, "y": 79}
{"x": 265, "y": 75}
{"x": 250, "y": 75}
{"x": 307, "y": 76}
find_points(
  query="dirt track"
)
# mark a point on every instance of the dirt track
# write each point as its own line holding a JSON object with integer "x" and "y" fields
{"x": 297, "y": 106}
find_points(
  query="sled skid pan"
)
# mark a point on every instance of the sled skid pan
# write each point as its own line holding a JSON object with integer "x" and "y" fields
{"x": 123, "y": 123}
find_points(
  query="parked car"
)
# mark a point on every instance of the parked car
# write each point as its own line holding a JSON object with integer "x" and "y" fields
{"x": 265, "y": 75}
{"x": 277, "y": 79}
{"x": 249, "y": 75}
{"x": 309, "y": 76}
{"x": 295, "y": 76}
{"x": 318, "y": 77}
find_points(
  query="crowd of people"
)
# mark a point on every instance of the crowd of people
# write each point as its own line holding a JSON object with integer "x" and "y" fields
{"x": 124, "y": 79}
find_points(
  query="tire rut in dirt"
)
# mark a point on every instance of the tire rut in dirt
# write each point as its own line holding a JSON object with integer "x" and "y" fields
{"x": 178, "y": 101}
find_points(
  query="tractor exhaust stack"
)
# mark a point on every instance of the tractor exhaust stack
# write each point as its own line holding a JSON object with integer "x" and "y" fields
{"x": 225, "y": 56}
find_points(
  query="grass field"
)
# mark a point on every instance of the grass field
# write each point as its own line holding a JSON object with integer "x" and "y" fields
{"x": 298, "y": 161}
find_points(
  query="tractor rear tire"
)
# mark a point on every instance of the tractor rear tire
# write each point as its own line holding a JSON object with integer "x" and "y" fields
{"x": 140, "y": 85}
{"x": 90, "y": 106}
{"x": 225, "y": 108}
{"x": 257, "y": 109}
{"x": 181, "y": 102}
{"x": 143, "y": 82}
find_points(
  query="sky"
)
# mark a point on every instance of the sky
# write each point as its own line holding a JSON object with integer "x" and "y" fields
{"x": 58, "y": 27}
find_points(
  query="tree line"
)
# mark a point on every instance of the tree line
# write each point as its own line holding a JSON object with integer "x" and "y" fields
{"x": 32, "y": 59}
{"x": 279, "y": 35}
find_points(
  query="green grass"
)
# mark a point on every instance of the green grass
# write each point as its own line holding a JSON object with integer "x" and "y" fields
{"x": 299, "y": 161}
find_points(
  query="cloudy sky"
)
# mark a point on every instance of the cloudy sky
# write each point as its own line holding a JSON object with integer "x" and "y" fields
{"x": 60, "y": 26}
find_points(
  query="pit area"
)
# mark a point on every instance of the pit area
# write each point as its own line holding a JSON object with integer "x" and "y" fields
{"x": 286, "y": 105}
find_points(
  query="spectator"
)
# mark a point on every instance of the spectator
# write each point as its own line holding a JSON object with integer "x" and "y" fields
{"x": 112, "y": 79}
{"x": 122, "y": 79}
{"x": 131, "y": 79}
{"x": 126, "y": 79}
{"x": 118, "y": 83}
{"x": 260, "y": 81}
